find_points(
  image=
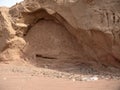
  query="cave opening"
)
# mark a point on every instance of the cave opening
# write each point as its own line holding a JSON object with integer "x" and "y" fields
{"x": 49, "y": 42}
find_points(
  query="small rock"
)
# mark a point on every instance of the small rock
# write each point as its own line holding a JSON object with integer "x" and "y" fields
{"x": 94, "y": 78}
{"x": 73, "y": 80}
{"x": 85, "y": 79}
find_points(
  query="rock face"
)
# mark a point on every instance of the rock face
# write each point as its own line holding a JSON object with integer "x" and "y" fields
{"x": 76, "y": 31}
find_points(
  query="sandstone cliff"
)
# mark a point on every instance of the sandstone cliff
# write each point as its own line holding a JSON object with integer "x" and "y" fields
{"x": 62, "y": 31}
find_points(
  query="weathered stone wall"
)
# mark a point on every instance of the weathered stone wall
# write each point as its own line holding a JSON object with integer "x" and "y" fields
{"x": 94, "y": 24}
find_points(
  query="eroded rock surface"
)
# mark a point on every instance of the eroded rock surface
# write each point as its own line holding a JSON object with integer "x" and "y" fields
{"x": 62, "y": 31}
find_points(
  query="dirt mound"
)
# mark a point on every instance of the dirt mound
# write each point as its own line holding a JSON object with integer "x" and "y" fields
{"x": 62, "y": 33}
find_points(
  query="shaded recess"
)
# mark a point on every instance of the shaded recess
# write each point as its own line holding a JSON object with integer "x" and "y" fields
{"x": 49, "y": 42}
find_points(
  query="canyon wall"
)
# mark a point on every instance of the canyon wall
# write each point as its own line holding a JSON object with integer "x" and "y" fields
{"x": 76, "y": 31}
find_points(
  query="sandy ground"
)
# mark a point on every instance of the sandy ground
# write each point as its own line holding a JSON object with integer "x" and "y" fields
{"x": 26, "y": 78}
{"x": 26, "y": 82}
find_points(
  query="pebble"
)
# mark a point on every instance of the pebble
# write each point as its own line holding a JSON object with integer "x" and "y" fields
{"x": 94, "y": 78}
{"x": 73, "y": 80}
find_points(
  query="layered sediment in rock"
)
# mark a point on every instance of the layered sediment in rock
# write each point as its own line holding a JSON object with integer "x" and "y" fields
{"x": 62, "y": 31}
